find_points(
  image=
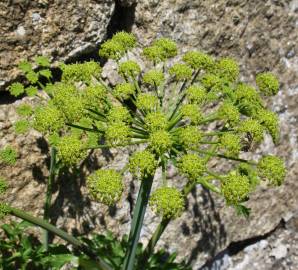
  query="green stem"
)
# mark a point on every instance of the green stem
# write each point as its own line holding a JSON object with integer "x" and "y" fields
{"x": 102, "y": 265}
{"x": 137, "y": 223}
{"x": 48, "y": 200}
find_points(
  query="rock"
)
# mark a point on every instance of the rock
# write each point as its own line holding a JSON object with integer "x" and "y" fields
{"x": 60, "y": 30}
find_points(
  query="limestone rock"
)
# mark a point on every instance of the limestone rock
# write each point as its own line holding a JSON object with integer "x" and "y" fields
{"x": 58, "y": 29}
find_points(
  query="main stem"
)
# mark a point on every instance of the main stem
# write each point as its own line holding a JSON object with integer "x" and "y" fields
{"x": 48, "y": 200}
{"x": 137, "y": 223}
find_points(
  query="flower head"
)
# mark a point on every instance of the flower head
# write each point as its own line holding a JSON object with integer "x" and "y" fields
{"x": 16, "y": 89}
{"x": 273, "y": 169}
{"x": 124, "y": 90}
{"x": 231, "y": 143}
{"x": 129, "y": 69}
{"x": 111, "y": 49}
{"x": 192, "y": 166}
{"x": 211, "y": 82}
{"x": 228, "y": 69}
{"x": 270, "y": 121}
{"x": 189, "y": 137}
{"x": 235, "y": 188}
{"x": 105, "y": 186}
{"x": 80, "y": 72}
{"x": 127, "y": 40}
{"x": 147, "y": 102}
{"x": 167, "y": 202}
{"x": 252, "y": 127}
{"x": 191, "y": 112}
{"x": 196, "y": 94}
{"x": 94, "y": 96}
{"x": 154, "y": 53}
{"x": 119, "y": 114}
{"x": 180, "y": 72}
{"x": 199, "y": 60}
{"x": 160, "y": 141}
{"x": 267, "y": 83}
{"x": 156, "y": 121}
{"x": 70, "y": 150}
{"x": 24, "y": 110}
{"x": 142, "y": 164}
{"x": 229, "y": 112}
{"x": 48, "y": 119}
{"x": 21, "y": 126}
{"x": 168, "y": 46}
{"x": 154, "y": 77}
{"x": 117, "y": 134}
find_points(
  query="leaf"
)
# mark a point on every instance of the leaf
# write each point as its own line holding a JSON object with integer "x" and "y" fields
{"x": 32, "y": 76}
{"x": 25, "y": 66}
{"x": 242, "y": 210}
{"x": 61, "y": 259}
{"x": 46, "y": 73}
{"x": 31, "y": 91}
{"x": 16, "y": 89}
{"x": 42, "y": 61}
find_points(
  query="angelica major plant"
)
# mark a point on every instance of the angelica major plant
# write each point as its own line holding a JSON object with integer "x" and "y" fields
{"x": 169, "y": 111}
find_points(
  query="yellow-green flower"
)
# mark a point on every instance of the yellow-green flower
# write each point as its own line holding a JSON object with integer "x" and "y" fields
{"x": 129, "y": 69}
{"x": 154, "y": 77}
{"x": 273, "y": 169}
{"x": 189, "y": 137}
{"x": 167, "y": 202}
{"x": 192, "y": 166}
{"x": 105, "y": 186}
{"x": 147, "y": 102}
{"x": 142, "y": 164}
{"x": 124, "y": 90}
{"x": 117, "y": 134}
{"x": 191, "y": 112}
{"x": 180, "y": 72}
{"x": 199, "y": 60}
{"x": 228, "y": 69}
{"x": 267, "y": 83}
{"x": 156, "y": 121}
{"x": 196, "y": 94}
{"x": 160, "y": 142}
{"x": 231, "y": 143}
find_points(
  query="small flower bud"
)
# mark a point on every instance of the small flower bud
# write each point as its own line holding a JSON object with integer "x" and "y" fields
{"x": 191, "y": 112}
{"x": 191, "y": 166}
{"x": 154, "y": 77}
{"x": 272, "y": 169}
{"x": 231, "y": 143}
{"x": 235, "y": 188}
{"x": 167, "y": 202}
{"x": 228, "y": 69}
{"x": 105, "y": 186}
{"x": 160, "y": 142}
{"x": 199, "y": 60}
{"x": 147, "y": 102}
{"x": 196, "y": 94}
{"x": 252, "y": 127}
{"x": 180, "y": 72}
{"x": 189, "y": 137}
{"x": 267, "y": 83}
{"x": 142, "y": 164}
{"x": 129, "y": 69}
{"x": 124, "y": 91}
{"x": 156, "y": 121}
{"x": 70, "y": 150}
{"x": 117, "y": 134}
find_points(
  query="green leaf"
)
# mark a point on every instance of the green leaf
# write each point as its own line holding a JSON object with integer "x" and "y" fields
{"x": 242, "y": 210}
{"x": 16, "y": 89}
{"x": 25, "y": 66}
{"x": 46, "y": 73}
{"x": 31, "y": 91}
{"x": 21, "y": 126}
{"x": 42, "y": 61}
{"x": 32, "y": 76}
{"x": 61, "y": 259}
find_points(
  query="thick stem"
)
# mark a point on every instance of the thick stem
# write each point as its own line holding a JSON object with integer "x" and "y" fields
{"x": 62, "y": 234}
{"x": 137, "y": 223}
{"x": 48, "y": 200}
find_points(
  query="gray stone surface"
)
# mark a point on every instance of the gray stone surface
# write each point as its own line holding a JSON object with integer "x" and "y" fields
{"x": 59, "y": 29}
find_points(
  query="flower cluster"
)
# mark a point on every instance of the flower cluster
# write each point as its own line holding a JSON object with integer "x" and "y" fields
{"x": 169, "y": 109}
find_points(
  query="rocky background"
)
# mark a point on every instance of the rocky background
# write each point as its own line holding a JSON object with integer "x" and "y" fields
{"x": 261, "y": 35}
